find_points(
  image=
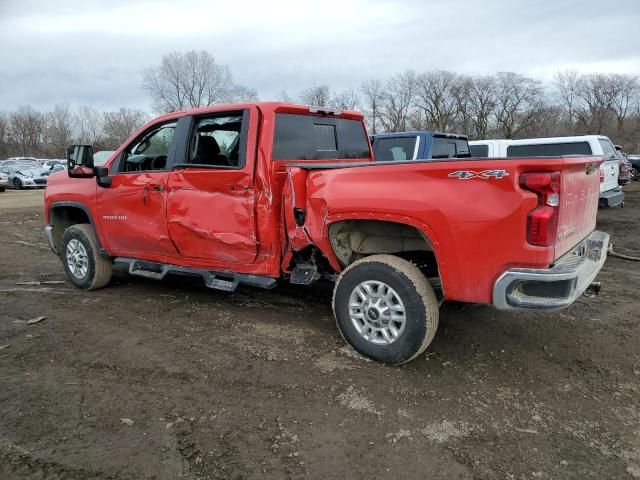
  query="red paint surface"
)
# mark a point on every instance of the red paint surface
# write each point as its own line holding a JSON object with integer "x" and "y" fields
{"x": 242, "y": 220}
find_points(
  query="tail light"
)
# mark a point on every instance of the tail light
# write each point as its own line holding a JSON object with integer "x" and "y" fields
{"x": 601, "y": 173}
{"x": 542, "y": 222}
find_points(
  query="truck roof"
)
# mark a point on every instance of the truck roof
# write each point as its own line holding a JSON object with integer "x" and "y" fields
{"x": 273, "y": 107}
{"x": 534, "y": 141}
{"x": 430, "y": 133}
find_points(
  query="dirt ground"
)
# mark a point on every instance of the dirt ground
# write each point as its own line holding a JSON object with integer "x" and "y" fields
{"x": 169, "y": 380}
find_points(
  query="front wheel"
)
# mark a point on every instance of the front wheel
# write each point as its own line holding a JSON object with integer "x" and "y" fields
{"x": 83, "y": 264}
{"x": 385, "y": 308}
{"x": 633, "y": 174}
{"x": 17, "y": 184}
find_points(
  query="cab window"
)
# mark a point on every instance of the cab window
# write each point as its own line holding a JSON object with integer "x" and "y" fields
{"x": 219, "y": 140}
{"x": 150, "y": 151}
{"x": 394, "y": 149}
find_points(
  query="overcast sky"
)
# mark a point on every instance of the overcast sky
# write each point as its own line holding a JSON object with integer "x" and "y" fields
{"x": 83, "y": 52}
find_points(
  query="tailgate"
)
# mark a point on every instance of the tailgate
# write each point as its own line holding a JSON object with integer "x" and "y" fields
{"x": 611, "y": 171}
{"x": 579, "y": 192}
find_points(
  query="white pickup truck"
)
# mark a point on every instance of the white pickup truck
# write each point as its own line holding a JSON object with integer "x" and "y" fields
{"x": 611, "y": 194}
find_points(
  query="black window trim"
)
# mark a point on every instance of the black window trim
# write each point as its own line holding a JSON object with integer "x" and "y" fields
{"x": 183, "y": 153}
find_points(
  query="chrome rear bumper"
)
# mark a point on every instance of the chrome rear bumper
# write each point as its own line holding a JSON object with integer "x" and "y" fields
{"x": 556, "y": 287}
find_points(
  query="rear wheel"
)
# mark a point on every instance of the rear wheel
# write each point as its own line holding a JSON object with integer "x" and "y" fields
{"x": 17, "y": 184}
{"x": 386, "y": 309}
{"x": 633, "y": 174}
{"x": 82, "y": 261}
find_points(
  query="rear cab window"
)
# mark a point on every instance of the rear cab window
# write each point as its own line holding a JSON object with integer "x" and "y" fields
{"x": 448, "y": 147}
{"x": 479, "y": 151}
{"x": 309, "y": 137}
{"x": 550, "y": 149}
{"x": 391, "y": 149}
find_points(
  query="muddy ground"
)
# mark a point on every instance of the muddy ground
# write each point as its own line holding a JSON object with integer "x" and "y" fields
{"x": 170, "y": 380}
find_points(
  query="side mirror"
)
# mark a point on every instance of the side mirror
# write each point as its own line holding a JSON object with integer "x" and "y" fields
{"x": 80, "y": 161}
{"x": 102, "y": 176}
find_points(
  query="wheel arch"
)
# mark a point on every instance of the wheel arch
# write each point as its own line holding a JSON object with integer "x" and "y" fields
{"x": 351, "y": 239}
{"x": 64, "y": 214}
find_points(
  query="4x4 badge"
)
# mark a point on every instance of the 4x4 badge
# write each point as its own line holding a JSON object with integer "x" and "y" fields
{"x": 485, "y": 174}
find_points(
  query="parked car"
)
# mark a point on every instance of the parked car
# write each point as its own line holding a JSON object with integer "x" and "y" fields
{"x": 418, "y": 145}
{"x": 100, "y": 158}
{"x": 21, "y": 161}
{"x": 49, "y": 164}
{"x": 624, "y": 177}
{"x": 611, "y": 194}
{"x": 256, "y": 192}
{"x": 4, "y": 181}
{"x": 25, "y": 176}
{"x": 634, "y": 160}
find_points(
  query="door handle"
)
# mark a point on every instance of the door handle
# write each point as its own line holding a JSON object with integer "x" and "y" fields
{"x": 151, "y": 186}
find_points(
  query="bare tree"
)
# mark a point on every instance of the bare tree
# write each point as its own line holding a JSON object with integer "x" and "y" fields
{"x": 26, "y": 128}
{"x": 481, "y": 103}
{"x": 191, "y": 79}
{"x": 373, "y": 93}
{"x": 4, "y": 134}
{"x": 399, "y": 96}
{"x": 317, "y": 95}
{"x": 566, "y": 86}
{"x": 88, "y": 123}
{"x": 625, "y": 89}
{"x": 243, "y": 94}
{"x": 119, "y": 125}
{"x": 59, "y": 130}
{"x": 438, "y": 98}
{"x": 347, "y": 99}
{"x": 518, "y": 100}
{"x": 283, "y": 96}
{"x": 596, "y": 101}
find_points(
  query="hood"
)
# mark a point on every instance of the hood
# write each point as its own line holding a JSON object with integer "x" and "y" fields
{"x": 30, "y": 172}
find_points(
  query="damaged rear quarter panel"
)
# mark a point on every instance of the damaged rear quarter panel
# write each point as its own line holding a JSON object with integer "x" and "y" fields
{"x": 477, "y": 228}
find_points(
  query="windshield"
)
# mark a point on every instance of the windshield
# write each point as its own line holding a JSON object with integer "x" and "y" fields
{"x": 30, "y": 172}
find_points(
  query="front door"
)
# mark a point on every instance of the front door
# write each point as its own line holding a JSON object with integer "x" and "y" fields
{"x": 133, "y": 209}
{"x": 211, "y": 196}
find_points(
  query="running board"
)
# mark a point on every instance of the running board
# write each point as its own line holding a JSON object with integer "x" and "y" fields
{"x": 225, "y": 281}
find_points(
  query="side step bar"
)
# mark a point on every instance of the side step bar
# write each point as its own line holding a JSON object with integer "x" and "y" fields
{"x": 225, "y": 281}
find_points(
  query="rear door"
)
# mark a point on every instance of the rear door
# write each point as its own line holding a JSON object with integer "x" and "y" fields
{"x": 211, "y": 202}
{"x": 610, "y": 167}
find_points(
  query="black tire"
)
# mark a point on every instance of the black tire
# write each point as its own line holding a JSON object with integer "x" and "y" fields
{"x": 98, "y": 269}
{"x": 633, "y": 174}
{"x": 17, "y": 184}
{"x": 1, "y": 189}
{"x": 420, "y": 306}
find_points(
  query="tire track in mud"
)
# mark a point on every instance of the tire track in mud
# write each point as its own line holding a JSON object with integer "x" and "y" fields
{"x": 15, "y": 459}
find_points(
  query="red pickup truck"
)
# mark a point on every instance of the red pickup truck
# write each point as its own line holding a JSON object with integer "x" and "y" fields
{"x": 253, "y": 193}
